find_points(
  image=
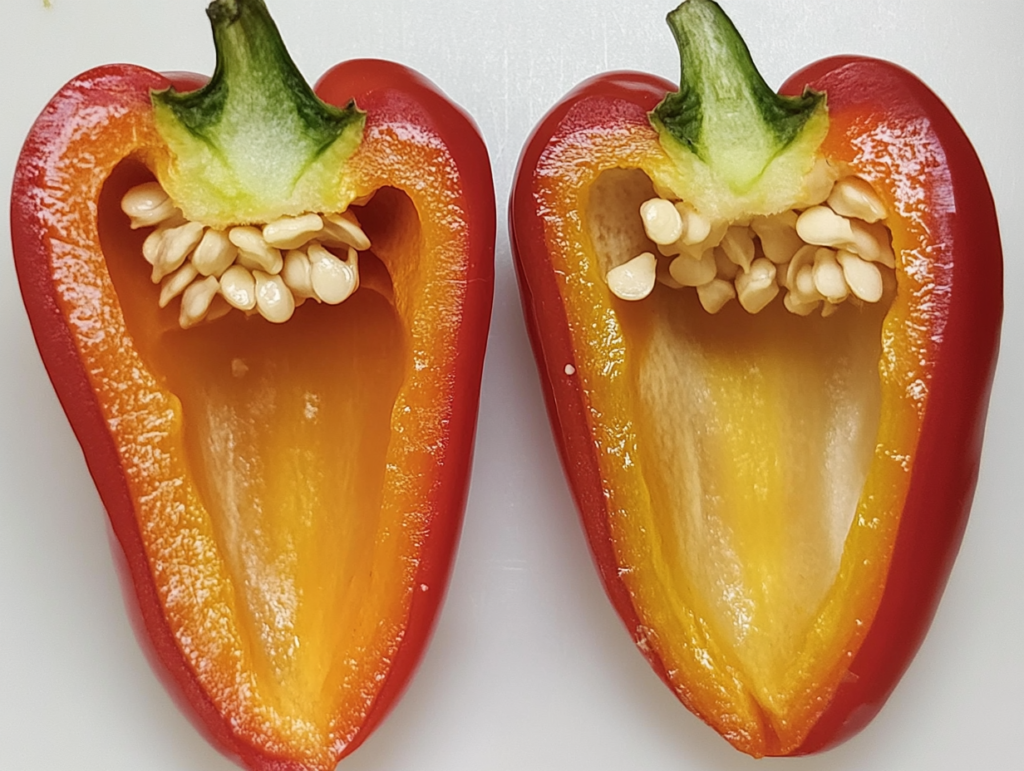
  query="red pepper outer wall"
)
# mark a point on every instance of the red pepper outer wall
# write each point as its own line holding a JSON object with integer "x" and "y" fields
{"x": 946, "y": 465}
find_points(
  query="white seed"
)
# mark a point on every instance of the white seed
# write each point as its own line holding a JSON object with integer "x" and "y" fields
{"x": 297, "y": 274}
{"x": 690, "y": 272}
{"x": 715, "y": 294}
{"x": 333, "y": 279}
{"x": 214, "y": 254}
{"x": 780, "y": 275}
{"x": 664, "y": 276}
{"x": 174, "y": 284}
{"x": 872, "y": 243}
{"x": 804, "y": 285}
{"x": 166, "y": 249}
{"x": 343, "y": 230}
{"x": 854, "y": 197}
{"x": 292, "y": 232}
{"x": 273, "y": 300}
{"x": 724, "y": 267}
{"x": 739, "y": 246}
{"x": 662, "y": 222}
{"x": 696, "y": 227}
{"x": 151, "y": 246}
{"x": 804, "y": 257}
{"x": 195, "y": 301}
{"x": 713, "y": 238}
{"x": 238, "y": 288}
{"x": 669, "y": 250}
{"x": 634, "y": 280}
{"x": 818, "y": 183}
{"x": 756, "y": 287}
{"x": 863, "y": 277}
{"x": 147, "y": 205}
{"x": 822, "y": 226}
{"x": 218, "y": 308}
{"x": 778, "y": 236}
{"x": 253, "y": 252}
{"x": 794, "y": 304}
{"x": 828, "y": 276}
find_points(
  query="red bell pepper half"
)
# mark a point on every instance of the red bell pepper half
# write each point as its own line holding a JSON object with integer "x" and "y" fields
{"x": 264, "y": 311}
{"x": 766, "y": 326}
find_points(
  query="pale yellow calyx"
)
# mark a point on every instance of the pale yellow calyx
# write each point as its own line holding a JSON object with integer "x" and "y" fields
{"x": 798, "y": 176}
{"x": 270, "y": 186}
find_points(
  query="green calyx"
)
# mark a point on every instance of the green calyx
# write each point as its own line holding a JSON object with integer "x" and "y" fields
{"x": 725, "y": 125}
{"x": 255, "y": 142}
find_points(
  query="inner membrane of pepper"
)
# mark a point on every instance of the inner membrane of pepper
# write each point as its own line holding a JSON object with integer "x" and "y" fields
{"x": 285, "y": 431}
{"x": 754, "y": 434}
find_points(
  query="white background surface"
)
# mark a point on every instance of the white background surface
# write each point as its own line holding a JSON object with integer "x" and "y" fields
{"x": 529, "y": 667}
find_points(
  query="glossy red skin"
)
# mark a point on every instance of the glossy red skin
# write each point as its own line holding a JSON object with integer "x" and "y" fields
{"x": 391, "y": 95}
{"x": 945, "y": 472}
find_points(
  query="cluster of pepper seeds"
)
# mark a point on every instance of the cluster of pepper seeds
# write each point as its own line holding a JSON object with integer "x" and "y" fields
{"x": 268, "y": 270}
{"x": 835, "y": 250}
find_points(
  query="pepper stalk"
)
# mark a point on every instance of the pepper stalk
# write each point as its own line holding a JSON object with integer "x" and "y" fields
{"x": 255, "y": 143}
{"x": 738, "y": 148}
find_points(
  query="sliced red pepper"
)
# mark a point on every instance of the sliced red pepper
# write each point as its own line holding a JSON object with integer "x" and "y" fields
{"x": 773, "y": 501}
{"x": 287, "y": 496}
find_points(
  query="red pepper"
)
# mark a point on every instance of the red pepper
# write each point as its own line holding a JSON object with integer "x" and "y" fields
{"x": 773, "y": 500}
{"x": 287, "y": 496}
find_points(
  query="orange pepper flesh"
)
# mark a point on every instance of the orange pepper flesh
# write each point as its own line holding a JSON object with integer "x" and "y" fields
{"x": 754, "y": 599}
{"x": 284, "y": 478}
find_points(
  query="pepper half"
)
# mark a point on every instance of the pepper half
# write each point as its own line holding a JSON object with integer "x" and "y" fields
{"x": 287, "y": 489}
{"x": 766, "y": 327}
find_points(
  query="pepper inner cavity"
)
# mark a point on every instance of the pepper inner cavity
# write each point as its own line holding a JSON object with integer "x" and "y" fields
{"x": 753, "y": 434}
{"x": 836, "y": 250}
{"x": 269, "y": 269}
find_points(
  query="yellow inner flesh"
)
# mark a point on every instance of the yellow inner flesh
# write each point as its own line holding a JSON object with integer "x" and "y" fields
{"x": 754, "y": 435}
{"x": 284, "y": 431}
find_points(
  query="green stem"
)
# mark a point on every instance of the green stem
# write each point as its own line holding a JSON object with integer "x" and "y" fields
{"x": 256, "y": 130}
{"x": 724, "y": 112}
